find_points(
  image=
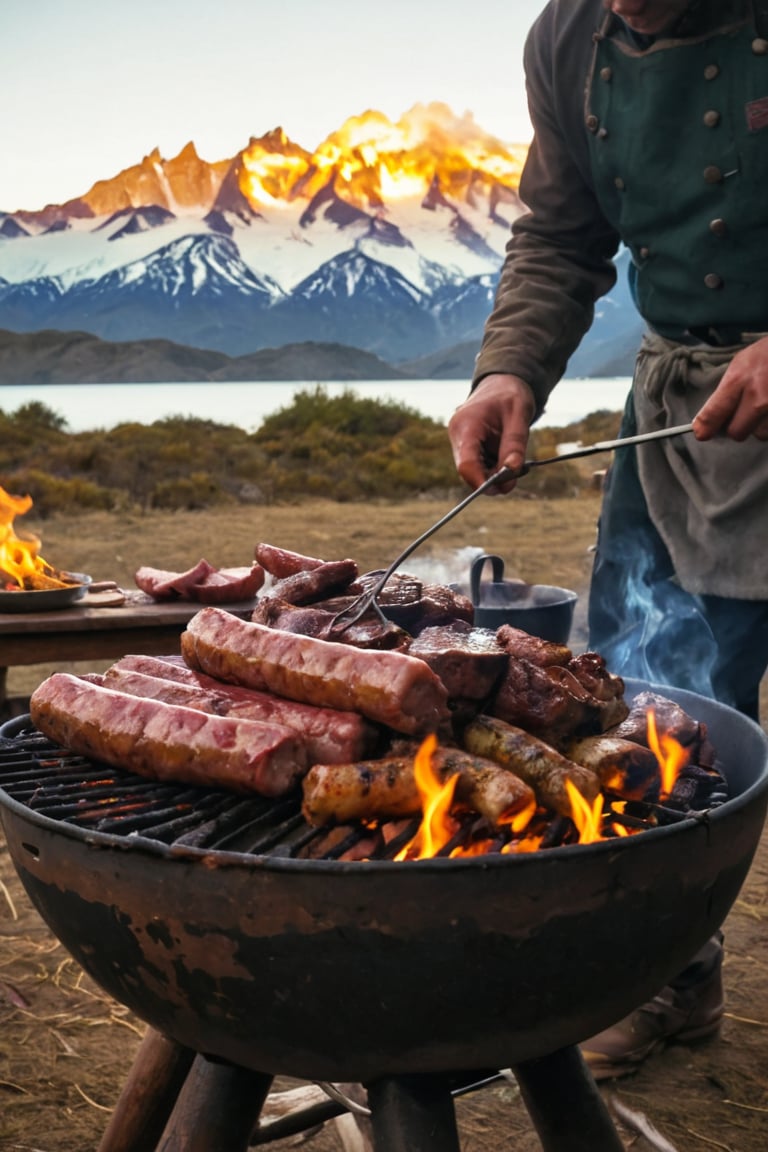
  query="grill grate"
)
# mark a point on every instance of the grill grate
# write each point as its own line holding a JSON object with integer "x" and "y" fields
{"x": 93, "y": 797}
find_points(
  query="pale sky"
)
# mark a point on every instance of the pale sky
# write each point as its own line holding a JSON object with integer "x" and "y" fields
{"x": 87, "y": 88}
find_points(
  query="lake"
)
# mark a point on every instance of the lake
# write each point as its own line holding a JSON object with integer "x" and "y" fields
{"x": 89, "y": 406}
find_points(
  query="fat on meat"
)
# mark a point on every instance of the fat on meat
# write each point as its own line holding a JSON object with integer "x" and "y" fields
{"x": 330, "y": 736}
{"x": 167, "y": 741}
{"x": 390, "y": 688}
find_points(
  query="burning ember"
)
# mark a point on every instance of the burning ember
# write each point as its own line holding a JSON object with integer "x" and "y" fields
{"x": 22, "y": 568}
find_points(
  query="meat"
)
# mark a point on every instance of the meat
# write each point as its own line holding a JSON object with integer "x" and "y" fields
{"x": 623, "y": 767}
{"x": 312, "y": 584}
{"x": 390, "y": 688}
{"x": 468, "y": 660}
{"x": 524, "y": 646}
{"x": 386, "y": 789}
{"x": 329, "y": 736}
{"x": 203, "y": 583}
{"x": 672, "y": 720}
{"x": 549, "y": 702}
{"x": 542, "y": 767}
{"x": 279, "y": 562}
{"x": 166, "y": 741}
{"x": 312, "y": 620}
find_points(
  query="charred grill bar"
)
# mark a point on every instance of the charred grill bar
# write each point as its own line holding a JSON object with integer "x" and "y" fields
{"x": 198, "y": 910}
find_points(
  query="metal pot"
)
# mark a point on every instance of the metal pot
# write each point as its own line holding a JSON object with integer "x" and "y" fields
{"x": 541, "y": 609}
{"x": 328, "y": 970}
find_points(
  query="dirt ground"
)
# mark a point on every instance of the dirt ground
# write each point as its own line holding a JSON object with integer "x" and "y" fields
{"x": 66, "y": 1047}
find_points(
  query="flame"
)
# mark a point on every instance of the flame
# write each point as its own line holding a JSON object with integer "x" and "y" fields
{"x": 21, "y": 565}
{"x": 587, "y": 817}
{"x": 436, "y": 827}
{"x": 671, "y": 755}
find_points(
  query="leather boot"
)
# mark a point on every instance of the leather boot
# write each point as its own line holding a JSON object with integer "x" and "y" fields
{"x": 687, "y": 1010}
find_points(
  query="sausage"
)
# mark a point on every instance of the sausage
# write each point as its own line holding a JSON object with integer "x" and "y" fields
{"x": 329, "y": 735}
{"x": 279, "y": 562}
{"x": 542, "y": 767}
{"x": 386, "y": 789}
{"x": 165, "y": 741}
{"x": 390, "y": 688}
{"x": 624, "y": 768}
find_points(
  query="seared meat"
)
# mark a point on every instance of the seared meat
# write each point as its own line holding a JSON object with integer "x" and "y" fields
{"x": 386, "y": 789}
{"x": 165, "y": 741}
{"x": 390, "y": 688}
{"x": 312, "y": 620}
{"x": 541, "y": 766}
{"x": 468, "y": 660}
{"x": 329, "y": 735}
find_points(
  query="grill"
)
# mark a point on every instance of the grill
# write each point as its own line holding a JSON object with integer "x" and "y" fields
{"x": 198, "y": 910}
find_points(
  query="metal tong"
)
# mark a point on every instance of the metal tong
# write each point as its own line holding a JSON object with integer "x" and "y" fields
{"x": 367, "y": 600}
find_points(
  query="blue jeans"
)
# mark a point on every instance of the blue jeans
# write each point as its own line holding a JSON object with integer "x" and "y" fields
{"x": 646, "y": 626}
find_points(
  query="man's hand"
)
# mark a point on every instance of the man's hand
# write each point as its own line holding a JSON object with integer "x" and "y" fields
{"x": 739, "y": 405}
{"x": 490, "y": 429}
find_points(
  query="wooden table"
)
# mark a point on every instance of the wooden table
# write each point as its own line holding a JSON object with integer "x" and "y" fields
{"x": 80, "y": 632}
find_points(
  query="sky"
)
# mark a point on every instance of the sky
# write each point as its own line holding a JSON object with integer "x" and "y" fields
{"x": 87, "y": 88}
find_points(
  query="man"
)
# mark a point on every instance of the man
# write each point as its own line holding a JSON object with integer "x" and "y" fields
{"x": 651, "y": 130}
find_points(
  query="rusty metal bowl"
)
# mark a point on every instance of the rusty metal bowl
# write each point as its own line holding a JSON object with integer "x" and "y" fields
{"x": 47, "y": 599}
{"x": 341, "y": 971}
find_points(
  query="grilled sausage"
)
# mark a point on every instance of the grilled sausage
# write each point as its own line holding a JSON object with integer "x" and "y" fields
{"x": 542, "y": 767}
{"x": 329, "y": 735}
{"x": 624, "y": 768}
{"x": 165, "y": 741}
{"x": 386, "y": 789}
{"x": 390, "y": 688}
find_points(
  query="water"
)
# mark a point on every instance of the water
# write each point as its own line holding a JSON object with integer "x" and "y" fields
{"x": 245, "y": 405}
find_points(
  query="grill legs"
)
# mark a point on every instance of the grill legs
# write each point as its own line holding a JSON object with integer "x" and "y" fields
{"x": 565, "y": 1105}
{"x": 413, "y": 1114}
{"x": 176, "y": 1100}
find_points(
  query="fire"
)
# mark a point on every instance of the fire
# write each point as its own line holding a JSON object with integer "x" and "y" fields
{"x": 671, "y": 755}
{"x": 446, "y": 830}
{"x": 22, "y": 568}
{"x": 437, "y": 827}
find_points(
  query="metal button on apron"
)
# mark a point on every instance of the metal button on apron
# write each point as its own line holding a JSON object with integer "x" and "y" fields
{"x": 718, "y": 227}
{"x": 712, "y": 280}
{"x": 711, "y": 118}
{"x": 760, "y": 46}
{"x": 713, "y": 174}
{"x": 711, "y": 72}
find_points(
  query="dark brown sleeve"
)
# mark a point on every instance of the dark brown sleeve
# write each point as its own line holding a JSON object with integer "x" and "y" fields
{"x": 559, "y": 257}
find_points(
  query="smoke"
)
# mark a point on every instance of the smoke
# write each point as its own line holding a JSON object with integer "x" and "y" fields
{"x": 660, "y": 633}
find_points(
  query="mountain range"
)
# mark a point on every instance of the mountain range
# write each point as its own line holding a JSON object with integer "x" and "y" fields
{"x": 385, "y": 241}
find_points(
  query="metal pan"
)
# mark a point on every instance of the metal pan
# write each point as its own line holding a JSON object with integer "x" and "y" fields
{"x": 47, "y": 599}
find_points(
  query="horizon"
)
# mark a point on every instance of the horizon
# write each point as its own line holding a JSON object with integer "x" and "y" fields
{"x": 88, "y": 121}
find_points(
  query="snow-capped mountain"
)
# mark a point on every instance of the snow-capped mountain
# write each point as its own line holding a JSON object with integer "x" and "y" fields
{"x": 388, "y": 237}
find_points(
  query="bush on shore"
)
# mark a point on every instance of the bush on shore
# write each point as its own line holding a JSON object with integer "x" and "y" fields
{"x": 342, "y": 448}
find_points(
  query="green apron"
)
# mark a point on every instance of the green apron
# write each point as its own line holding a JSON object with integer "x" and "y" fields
{"x": 678, "y": 138}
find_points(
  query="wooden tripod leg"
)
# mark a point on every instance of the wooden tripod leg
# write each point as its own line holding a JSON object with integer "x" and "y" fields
{"x": 217, "y": 1109}
{"x": 148, "y": 1097}
{"x": 565, "y": 1105}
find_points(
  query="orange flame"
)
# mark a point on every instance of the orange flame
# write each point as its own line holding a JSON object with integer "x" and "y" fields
{"x": 436, "y": 827}
{"x": 587, "y": 817}
{"x": 21, "y": 565}
{"x": 671, "y": 755}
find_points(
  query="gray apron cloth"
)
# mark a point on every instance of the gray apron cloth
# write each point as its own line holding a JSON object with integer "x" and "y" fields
{"x": 707, "y": 500}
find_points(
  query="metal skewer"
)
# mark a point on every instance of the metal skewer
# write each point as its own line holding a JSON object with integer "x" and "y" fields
{"x": 354, "y": 611}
